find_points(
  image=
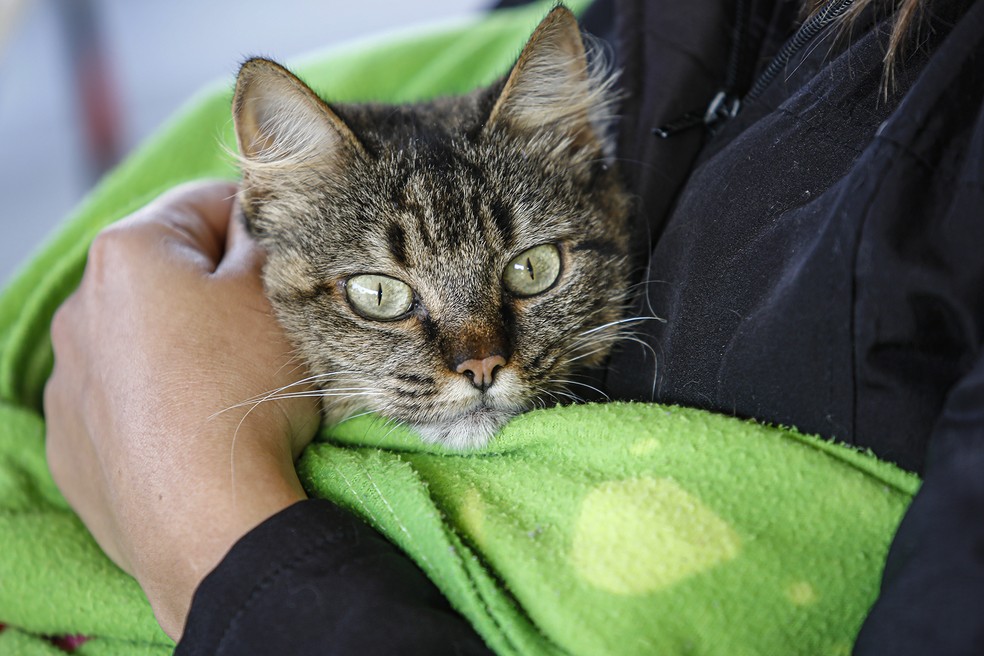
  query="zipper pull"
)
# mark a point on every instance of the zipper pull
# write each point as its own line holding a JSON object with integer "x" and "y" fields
{"x": 678, "y": 125}
{"x": 722, "y": 107}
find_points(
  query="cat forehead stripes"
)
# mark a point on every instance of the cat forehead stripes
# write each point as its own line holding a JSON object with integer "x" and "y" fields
{"x": 448, "y": 263}
{"x": 449, "y": 209}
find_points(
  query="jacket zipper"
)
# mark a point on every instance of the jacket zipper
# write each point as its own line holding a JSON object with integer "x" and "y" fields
{"x": 726, "y": 103}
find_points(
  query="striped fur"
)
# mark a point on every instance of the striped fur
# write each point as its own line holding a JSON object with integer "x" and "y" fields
{"x": 441, "y": 195}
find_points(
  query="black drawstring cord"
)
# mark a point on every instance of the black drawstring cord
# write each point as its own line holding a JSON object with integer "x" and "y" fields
{"x": 726, "y": 104}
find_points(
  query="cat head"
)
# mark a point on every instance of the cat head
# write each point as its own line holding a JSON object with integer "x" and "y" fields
{"x": 446, "y": 264}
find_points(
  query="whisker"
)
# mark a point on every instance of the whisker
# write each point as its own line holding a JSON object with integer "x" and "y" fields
{"x": 566, "y": 394}
{"x": 562, "y": 381}
{"x": 278, "y": 394}
{"x": 393, "y": 427}
{"x": 259, "y": 398}
{"x": 585, "y": 355}
{"x": 314, "y": 394}
{"x": 621, "y": 322}
{"x": 318, "y": 394}
{"x": 356, "y": 416}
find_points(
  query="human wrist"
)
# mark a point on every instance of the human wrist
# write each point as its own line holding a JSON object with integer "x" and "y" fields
{"x": 204, "y": 522}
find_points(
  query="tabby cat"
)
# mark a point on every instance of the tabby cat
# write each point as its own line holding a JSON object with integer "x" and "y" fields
{"x": 447, "y": 264}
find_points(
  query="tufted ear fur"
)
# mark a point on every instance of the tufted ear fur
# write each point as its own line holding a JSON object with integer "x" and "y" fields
{"x": 553, "y": 88}
{"x": 281, "y": 124}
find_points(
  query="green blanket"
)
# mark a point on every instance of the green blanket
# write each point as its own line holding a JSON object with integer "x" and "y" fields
{"x": 619, "y": 529}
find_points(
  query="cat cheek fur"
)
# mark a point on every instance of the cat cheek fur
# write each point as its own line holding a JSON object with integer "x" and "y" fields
{"x": 441, "y": 195}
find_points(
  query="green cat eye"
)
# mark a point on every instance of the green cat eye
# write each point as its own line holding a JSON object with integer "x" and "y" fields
{"x": 532, "y": 271}
{"x": 378, "y": 297}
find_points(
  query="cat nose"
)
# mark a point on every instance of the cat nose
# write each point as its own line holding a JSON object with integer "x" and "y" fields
{"x": 481, "y": 371}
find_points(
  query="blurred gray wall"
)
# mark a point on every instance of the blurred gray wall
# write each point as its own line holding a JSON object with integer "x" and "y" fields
{"x": 159, "y": 54}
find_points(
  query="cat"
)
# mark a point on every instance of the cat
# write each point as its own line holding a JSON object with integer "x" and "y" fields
{"x": 446, "y": 264}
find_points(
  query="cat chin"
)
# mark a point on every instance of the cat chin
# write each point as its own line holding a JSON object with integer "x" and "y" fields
{"x": 469, "y": 431}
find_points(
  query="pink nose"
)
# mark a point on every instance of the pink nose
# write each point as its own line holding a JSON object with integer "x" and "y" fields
{"x": 481, "y": 372}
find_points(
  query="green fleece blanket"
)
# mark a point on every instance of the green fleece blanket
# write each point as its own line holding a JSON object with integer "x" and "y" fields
{"x": 611, "y": 529}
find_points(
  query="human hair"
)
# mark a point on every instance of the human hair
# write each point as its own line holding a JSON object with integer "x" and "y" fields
{"x": 906, "y": 18}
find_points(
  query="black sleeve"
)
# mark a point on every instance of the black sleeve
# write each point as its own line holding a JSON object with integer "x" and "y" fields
{"x": 932, "y": 598}
{"x": 314, "y": 579}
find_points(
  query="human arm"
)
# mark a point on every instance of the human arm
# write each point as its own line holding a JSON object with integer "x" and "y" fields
{"x": 168, "y": 333}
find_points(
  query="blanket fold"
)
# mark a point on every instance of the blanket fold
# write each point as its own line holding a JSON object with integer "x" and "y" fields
{"x": 631, "y": 529}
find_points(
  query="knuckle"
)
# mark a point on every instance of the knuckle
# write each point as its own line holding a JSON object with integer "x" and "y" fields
{"x": 65, "y": 325}
{"x": 114, "y": 249}
{"x": 59, "y": 327}
{"x": 102, "y": 252}
{"x": 108, "y": 244}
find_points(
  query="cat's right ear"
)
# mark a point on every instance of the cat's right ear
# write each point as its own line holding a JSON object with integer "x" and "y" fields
{"x": 552, "y": 89}
{"x": 281, "y": 124}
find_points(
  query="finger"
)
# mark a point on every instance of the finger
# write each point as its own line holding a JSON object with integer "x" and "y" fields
{"x": 63, "y": 324}
{"x": 196, "y": 213}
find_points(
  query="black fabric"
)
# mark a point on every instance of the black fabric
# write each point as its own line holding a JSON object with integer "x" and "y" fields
{"x": 314, "y": 580}
{"x": 815, "y": 275}
{"x": 672, "y": 57}
{"x": 932, "y": 599}
{"x": 817, "y": 262}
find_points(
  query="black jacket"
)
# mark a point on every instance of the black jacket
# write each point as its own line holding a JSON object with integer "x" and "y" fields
{"x": 819, "y": 261}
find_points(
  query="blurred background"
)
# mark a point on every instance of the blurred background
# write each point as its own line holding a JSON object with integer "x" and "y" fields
{"x": 83, "y": 81}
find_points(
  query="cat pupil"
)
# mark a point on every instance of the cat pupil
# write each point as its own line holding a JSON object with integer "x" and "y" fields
{"x": 379, "y": 294}
{"x": 529, "y": 267}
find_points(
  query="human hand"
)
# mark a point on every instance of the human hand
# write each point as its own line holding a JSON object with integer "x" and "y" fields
{"x": 148, "y": 437}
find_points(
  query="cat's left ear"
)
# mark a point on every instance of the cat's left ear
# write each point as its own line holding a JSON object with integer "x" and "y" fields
{"x": 552, "y": 88}
{"x": 281, "y": 122}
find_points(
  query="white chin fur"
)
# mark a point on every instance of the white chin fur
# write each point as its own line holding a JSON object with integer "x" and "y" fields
{"x": 470, "y": 431}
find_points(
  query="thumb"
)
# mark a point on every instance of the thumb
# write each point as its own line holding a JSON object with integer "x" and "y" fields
{"x": 196, "y": 213}
{"x": 242, "y": 253}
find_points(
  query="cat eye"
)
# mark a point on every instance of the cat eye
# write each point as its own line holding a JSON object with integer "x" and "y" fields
{"x": 532, "y": 271}
{"x": 378, "y": 297}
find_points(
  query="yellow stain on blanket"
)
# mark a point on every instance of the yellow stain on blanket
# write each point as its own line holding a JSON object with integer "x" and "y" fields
{"x": 801, "y": 593}
{"x": 645, "y": 446}
{"x": 471, "y": 514}
{"x": 641, "y": 535}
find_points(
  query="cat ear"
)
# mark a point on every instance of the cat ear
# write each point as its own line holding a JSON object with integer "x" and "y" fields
{"x": 281, "y": 122}
{"x": 551, "y": 87}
